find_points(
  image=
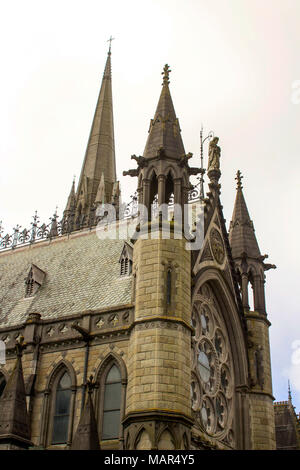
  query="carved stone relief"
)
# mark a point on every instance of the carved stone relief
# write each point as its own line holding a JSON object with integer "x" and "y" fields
{"x": 217, "y": 246}
{"x": 212, "y": 386}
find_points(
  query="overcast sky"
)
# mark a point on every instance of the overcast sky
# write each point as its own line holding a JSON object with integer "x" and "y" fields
{"x": 234, "y": 65}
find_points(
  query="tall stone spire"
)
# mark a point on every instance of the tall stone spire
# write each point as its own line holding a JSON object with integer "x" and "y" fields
{"x": 14, "y": 420}
{"x": 100, "y": 153}
{"x": 164, "y": 131}
{"x": 246, "y": 254}
{"x": 71, "y": 203}
{"x": 241, "y": 231}
{"x": 163, "y": 170}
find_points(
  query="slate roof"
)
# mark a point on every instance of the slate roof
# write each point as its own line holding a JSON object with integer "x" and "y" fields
{"x": 82, "y": 273}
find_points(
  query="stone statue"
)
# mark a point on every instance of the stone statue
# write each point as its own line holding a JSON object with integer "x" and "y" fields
{"x": 214, "y": 153}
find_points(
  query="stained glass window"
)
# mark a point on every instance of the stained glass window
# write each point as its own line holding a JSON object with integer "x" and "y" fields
{"x": 62, "y": 410}
{"x": 112, "y": 404}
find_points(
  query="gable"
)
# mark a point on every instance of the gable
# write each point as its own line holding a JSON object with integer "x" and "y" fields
{"x": 216, "y": 253}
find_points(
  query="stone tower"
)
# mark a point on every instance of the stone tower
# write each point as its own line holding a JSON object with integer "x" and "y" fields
{"x": 250, "y": 268}
{"x": 158, "y": 405}
{"x": 160, "y": 323}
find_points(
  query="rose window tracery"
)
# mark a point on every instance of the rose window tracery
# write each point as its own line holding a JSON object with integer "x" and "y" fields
{"x": 212, "y": 378}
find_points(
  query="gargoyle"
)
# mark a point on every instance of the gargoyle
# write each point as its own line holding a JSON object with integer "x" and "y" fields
{"x": 185, "y": 158}
{"x": 194, "y": 171}
{"x": 141, "y": 161}
{"x": 133, "y": 172}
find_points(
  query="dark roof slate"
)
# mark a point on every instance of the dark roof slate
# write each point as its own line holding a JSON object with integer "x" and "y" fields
{"x": 82, "y": 273}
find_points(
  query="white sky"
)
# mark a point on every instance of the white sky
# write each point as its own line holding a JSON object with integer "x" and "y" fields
{"x": 233, "y": 66}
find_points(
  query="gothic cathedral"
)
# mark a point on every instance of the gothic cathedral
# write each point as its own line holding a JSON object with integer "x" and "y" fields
{"x": 138, "y": 342}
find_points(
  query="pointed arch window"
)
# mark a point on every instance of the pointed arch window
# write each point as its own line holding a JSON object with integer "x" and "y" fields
{"x": 126, "y": 260}
{"x": 34, "y": 280}
{"x": 2, "y": 384}
{"x": 169, "y": 286}
{"x": 112, "y": 404}
{"x": 61, "y": 415}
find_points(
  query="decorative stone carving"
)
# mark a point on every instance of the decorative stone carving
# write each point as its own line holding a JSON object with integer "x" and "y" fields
{"x": 217, "y": 246}
{"x": 212, "y": 385}
{"x": 214, "y": 153}
{"x": 6, "y": 339}
{"x": 100, "y": 323}
{"x": 50, "y": 331}
{"x": 64, "y": 329}
{"x": 113, "y": 319}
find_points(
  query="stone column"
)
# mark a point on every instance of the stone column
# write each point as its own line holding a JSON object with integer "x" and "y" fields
{"x": 261, "y": 409}
{"x": 161, "y": 189}
{"x": 245, "y": 291}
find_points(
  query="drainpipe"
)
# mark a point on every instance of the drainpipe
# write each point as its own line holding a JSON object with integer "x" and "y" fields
{"x": 86, "y": 338}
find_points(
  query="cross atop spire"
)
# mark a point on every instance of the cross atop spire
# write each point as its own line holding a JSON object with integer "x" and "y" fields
{"x": 238, "y": 178}
{"x": 110, "y": 40}
{"x": 165, "y": 73}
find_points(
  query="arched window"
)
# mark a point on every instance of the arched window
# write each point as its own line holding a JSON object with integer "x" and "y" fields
{"x": 169, "y": 286}
{"x": 2, "y": 384}
{"x": 169, "y": 189}
{"x": 126, "y": 260}
{"x": 112, "y": 404}
{"x": 61, "y": 413}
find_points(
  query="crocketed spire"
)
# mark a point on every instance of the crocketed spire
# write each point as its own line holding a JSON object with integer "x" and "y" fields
{"x": 100, "y": 153}
{"x": 242, "y": 237}
{"x": 86, "y": 436}
{"x": 164, "y": 129}
{"x": 14, "y": 420}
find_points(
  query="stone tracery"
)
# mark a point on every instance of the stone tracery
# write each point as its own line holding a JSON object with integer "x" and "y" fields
{"x": 212, "y": 378}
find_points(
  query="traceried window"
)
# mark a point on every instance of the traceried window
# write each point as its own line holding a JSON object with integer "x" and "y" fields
{"x": 112, "y": 404}
{"x": 212, "y": 387}
{"x": 62, "y": 410}
{"x": 169, "y": 287}
{"x": 2, "y": 384}
{"x": 126, "y": 260}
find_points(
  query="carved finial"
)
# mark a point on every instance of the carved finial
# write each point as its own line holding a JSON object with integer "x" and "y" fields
{"x": 165, "y": 73}
{"x": 239, "y": 178}
{"x": 20, "y": 346}
{"x": 110, "y": 40}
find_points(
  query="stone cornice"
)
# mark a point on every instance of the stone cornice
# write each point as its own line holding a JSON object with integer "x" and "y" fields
{"x": 166, "y": 319}
{"x": 257, "y": 316}
{"x": 159, "y": 414}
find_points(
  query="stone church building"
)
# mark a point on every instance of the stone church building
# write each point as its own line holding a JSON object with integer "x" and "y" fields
{"x": 138, "y": 343}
